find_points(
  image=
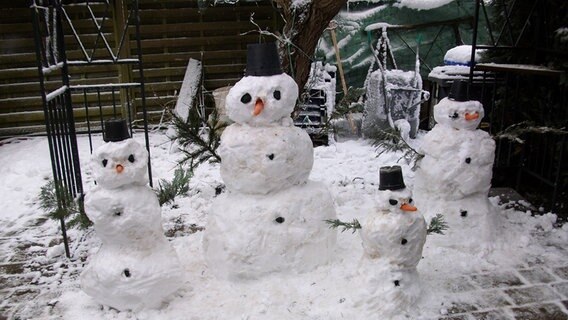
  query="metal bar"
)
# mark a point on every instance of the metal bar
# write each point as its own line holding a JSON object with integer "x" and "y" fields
{"x": 488, "y": 23}
{"x": 142, "y": 90}
{"x": 102, "y": 62}
{"x": 507, "y": 23}
{"x": 69, "y": 107}
{"x": 88, "y": 120}
{"x": 474, "y": 39}
{"x": 526, "y": 23}
{"x": 113, "y": 103}
{"x": 75, "y": 34}
{"x": 124, "y": 34}
{"x": 39, "y": 61}
{"x": 422, "y": 62}
{"x": 100, "y": 110}
{"x": 433, "y": 41}
{"x": 558, "y": 171}
{"x": 104, "y": 87}
{"x": 128, "y": 106}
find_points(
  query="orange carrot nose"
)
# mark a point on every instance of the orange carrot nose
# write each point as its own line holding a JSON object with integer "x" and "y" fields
{"x": 258, "y": 107}
{"x": 408, "y": 207}
{"x": 119, "y": 168}
{"x": 472, "y": 116}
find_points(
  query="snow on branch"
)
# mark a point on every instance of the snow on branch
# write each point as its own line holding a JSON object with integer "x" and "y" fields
{"x": 514, "y": 132}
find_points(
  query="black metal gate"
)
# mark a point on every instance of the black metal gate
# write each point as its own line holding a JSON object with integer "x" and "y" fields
{"x": 71, "y": 37}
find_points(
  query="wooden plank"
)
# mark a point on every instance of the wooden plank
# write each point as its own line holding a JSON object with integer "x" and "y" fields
{"x": 37, "y": 116}
{"x": 193, "y": 42}
{"x": 26, "y": 44}
{"x": 35, "y": 102}
{"x": 162, "y": 29}
{"x": 32, "y": 87}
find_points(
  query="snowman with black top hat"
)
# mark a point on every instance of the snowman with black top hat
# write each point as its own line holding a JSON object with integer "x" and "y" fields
{"x": 454, "y": 177}
{"x": 393, "y": 238}
{"x": 272, "y": 217}
{"x": 135, "y": 267}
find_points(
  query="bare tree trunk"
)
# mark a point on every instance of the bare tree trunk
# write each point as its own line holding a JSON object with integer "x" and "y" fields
{"x": 304, "y": 27}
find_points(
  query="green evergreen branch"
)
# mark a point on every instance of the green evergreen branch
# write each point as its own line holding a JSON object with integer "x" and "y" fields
{"x": 336, "y": 223}
{"x": 58, "y": 203}
{"x": 197, "y": 147}
{"x": 437, "y": 225}
{"x": 179, "y": 186}
{"x": 391, "y": 141}
{"x": 515, "y": 131}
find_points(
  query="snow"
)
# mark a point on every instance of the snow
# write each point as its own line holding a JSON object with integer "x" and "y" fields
{"x": 461, "y": 55}
{"x": 422, "y": 4}
{"x": 189, "y": 87}
{"x": 379, "y": 26}
{"x": 334, "y": 291}
{"x": 52, "y": 95}
{"x": 359, "y": 15}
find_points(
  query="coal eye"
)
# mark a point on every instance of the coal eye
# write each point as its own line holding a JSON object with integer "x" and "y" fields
{"x": 131, "y": 158}
{"x": 393, "y": 202}
{"x": 105, "y": 161}
{"x": 246, "y": 98}
{"x": 276, "y": 95}
{"x": 410, "y": 200}
{"x": 455, "y": 115}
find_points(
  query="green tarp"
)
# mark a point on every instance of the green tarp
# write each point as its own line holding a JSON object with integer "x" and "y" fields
{"x": 433, "y": 28}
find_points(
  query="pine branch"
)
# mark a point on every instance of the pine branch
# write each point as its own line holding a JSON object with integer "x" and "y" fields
{"x": 437, "y": 225}
{"x": 336, "y": 223}
{"x": 198, "y": 139}
{"x": 168, "y": 191}
{"x": 390, "y": 141}
{"x": 515, "y": 131}
{"x": 58, "y": 203}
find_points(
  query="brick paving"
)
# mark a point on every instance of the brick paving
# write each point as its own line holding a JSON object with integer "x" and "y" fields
{"x": 538, "y": 293}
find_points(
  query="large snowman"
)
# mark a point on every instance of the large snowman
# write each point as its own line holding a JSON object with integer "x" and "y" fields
{"x": 272, "y": 217}
{"x": 393, "y": 238}
{"x": 135, "y": 268}
{"x": 454, "y": 176}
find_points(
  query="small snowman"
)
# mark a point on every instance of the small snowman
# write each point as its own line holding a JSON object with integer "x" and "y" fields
{"x": 135, "y": 267}
{"x": 454, "y": 177}
{"x": 272, "y": 217}
{"x": 393, "y": 239}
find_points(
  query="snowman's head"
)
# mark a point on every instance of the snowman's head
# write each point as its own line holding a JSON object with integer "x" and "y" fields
{"x": 115, "y": 164}
{"x": 460, "y": 115}
{"x": 262, "y": 100}
{"x": 397, "y": 201}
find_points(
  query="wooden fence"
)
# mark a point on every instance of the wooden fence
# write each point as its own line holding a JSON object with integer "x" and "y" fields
{"x": 172, "y": 32}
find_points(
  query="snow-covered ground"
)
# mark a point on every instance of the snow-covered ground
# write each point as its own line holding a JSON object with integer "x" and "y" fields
{"x": 348, "y": 168}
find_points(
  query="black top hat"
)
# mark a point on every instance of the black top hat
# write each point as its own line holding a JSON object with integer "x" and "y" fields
{"x": 263, "y": 59}
{"x": 115, "y": 130}
{"x": 390, "y": 178}
{"x": 458, "y": 91}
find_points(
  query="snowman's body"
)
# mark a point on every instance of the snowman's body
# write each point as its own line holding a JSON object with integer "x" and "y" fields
{"x": 454, "y": 176}
{"x": 272, "y": 217}
{"x": 260, "y": 160}
{"x": 393, "y": 239}
{"x": 135, "y": 267}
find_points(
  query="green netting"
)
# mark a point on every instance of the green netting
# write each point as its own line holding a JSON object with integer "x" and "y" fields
{"x": 434, "y": 40}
